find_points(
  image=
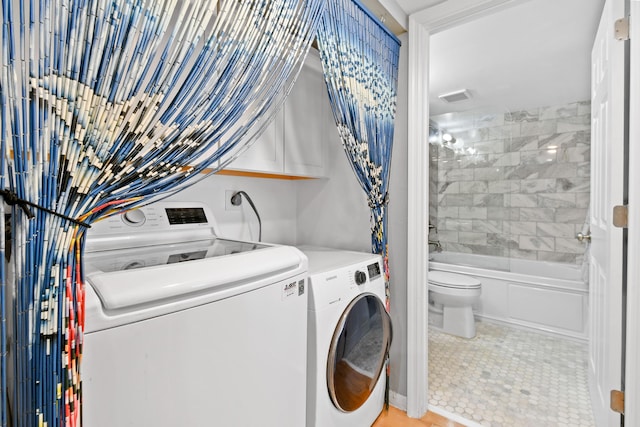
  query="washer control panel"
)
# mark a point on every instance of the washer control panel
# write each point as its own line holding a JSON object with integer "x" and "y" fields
{"x": 158, "y": 223}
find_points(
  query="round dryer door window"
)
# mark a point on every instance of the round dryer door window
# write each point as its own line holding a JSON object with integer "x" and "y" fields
{"x": 358, "y": 351}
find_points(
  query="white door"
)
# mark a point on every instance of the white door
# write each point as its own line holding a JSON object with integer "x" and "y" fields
{"x": 607, "y": 179}
{"x": 632, "y": 376}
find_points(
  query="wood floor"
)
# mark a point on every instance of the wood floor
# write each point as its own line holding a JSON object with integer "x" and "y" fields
{"x": 394, "y": 417}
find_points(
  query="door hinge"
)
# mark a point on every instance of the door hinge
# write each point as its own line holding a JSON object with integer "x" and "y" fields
{"x": 621, "y": 28}
{"x": 620, "y": 216}
{"x": 617, "y": 401}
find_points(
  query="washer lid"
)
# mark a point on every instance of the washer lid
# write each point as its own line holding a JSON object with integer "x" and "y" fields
{"x": 202, "y": 273}
{"x": 453, "y": 280}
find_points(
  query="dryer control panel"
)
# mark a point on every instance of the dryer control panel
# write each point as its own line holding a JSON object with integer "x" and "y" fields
{"x": 360, "y": 277}
{"x": 374, "y": 270}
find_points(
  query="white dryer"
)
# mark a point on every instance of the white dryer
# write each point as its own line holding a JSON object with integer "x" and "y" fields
{"x": 184, "y": 328}
{"x": 349, "y": 338}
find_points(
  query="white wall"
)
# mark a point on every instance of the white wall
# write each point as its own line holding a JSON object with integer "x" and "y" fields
{"x": 275, "y": 200}
{"x": 398, "y": 193}
{"x": 333, "y": 212}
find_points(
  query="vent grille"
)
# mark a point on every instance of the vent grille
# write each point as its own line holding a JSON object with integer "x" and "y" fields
{"x": 457, "y": 96}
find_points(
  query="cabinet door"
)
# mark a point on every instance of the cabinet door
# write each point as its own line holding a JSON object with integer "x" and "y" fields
{"x": 265, "y": 155}
{"x": 305, "y": 121}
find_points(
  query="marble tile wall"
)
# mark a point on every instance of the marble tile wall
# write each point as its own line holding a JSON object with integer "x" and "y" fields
{"x": 513, "y": 184}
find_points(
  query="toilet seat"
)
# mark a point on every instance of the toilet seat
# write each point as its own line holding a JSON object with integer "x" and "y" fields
{"x": 453, "y": 280}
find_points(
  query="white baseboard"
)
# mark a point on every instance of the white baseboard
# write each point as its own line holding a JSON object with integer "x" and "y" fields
{"x": 397, "y": 400}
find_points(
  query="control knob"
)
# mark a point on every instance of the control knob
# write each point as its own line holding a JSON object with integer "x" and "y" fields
{"x": 134, "y": 218}
{"x": 360, "y": 277}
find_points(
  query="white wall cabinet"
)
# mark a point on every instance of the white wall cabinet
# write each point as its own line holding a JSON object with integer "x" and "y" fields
{"x": 295, "y": 143}
{"x": 266, "y": 153}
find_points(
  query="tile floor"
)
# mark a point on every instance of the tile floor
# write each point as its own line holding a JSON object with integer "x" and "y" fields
{"x": 508, "y": 377}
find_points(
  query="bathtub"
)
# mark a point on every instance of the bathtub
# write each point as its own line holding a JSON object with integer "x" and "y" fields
{"x": 546, "y": 296}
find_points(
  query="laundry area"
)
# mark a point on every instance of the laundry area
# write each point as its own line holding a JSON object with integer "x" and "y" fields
{"x": 313, "y": 213}
{"x": 191, "y": 258}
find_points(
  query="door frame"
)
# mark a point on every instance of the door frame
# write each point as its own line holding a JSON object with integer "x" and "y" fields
{"x": 422, "y": 25}
{"x": 632, "y": 358}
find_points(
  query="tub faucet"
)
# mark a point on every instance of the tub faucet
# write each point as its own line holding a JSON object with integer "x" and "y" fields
{"x": 433, "y": 227}
{"x": 436, "y": 243}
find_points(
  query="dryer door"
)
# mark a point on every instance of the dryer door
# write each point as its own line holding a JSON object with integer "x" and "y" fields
{"x": 358, "y": 352}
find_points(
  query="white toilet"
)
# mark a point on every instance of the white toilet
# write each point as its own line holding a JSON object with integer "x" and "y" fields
{"x": 451, "y": 297}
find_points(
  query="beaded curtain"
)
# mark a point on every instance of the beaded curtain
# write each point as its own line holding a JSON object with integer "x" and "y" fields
{"x": 106, "y": 105}
{"x": 360, "y": 63}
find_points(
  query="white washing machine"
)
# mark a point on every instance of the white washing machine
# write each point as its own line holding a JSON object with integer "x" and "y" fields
{"x": 349, "y": 338}
{"x": 184, "y": 328}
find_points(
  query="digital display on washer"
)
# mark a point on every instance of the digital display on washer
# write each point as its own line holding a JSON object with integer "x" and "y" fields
{"x": 186, "y": 216}
{"x": 374, "y": 270}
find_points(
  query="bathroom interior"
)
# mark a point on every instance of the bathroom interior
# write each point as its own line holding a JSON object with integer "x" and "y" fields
{"x": 509, "y": 182}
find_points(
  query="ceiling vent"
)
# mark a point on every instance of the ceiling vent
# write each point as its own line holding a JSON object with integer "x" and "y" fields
{"x": 457, "y": 96}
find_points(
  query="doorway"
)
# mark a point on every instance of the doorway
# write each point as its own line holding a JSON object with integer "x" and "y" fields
{"x": 422, "y": 26}
{"x": 512, "y": 162}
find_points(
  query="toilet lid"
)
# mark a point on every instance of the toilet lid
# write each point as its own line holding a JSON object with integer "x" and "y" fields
{"x": 453, "y": 280}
